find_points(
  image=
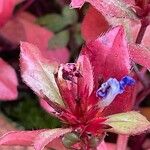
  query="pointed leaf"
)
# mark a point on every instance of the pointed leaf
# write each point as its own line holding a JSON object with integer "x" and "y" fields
{"x": 128, "y": 123}
{"x": 38, "y": 73}
{"x": 109, "y": 50}
{"x": 22, "y": 138}
{"x": 26, "y": 31}
{"x": 86, "y": 82}
{"x": 46, "y": 137}
{"x": 35, "y": 33}
{"x": 93, "y": 24}
{"x": 8, "y": 82}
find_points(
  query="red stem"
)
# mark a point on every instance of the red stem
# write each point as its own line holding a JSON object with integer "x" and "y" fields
{"x": 145, "y": 92}
{"x": 122, "y": 142}
{"x": 141, "y": 33}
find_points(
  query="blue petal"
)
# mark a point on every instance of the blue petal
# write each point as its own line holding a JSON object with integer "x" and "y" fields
{"x": 110, "y": 89}
{"x": 126, "y": 80}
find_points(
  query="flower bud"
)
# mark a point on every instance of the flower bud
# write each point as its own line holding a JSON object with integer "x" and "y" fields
{"x": 70, "y": 139}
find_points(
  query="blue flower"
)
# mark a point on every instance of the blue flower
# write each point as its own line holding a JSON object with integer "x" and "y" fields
{"x": 111, "y": 88}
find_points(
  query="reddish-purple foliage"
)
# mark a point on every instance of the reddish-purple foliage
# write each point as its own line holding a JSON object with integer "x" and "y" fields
{"x": 69, "y": 91}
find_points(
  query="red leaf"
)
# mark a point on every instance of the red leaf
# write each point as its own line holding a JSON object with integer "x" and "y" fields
{"x": 93, "y": 24}
{"x": 47, "y": 136}
{"x": 8, "y": 82}
{"x": 86, "y": 82}
{"x": 109, "y": 50}
{"x": 28, "y": 31}
{"x": 109, "y": 57}
{"x": 22, "y": 138}
{"x": 34, "y": 34}
{"x": 38, "y": 73}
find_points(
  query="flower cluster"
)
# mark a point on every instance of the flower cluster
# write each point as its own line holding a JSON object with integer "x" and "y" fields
{"x": 91, "y": 97}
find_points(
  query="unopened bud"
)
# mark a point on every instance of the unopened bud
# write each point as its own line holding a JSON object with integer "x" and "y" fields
{"x": 70, "y": 139}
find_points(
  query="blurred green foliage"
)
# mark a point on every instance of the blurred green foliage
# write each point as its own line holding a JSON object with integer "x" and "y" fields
{"x": 66, "y": 27}
{"x": 28, "y": 113}
{"x": 57, "y": 22}
{"x": 59, "y": 40}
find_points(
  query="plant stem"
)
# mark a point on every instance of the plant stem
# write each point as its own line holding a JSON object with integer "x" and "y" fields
{"x": 141, "y": 33}
{"x": 122, "y": 142}
{"x": 138, "y": 41}
{"x": 146, "y": 91}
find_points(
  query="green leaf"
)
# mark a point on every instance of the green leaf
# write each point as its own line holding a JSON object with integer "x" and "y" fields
{"x": 128, "y": 123}
{"x": 57, "y": 22}
{"x": 60, "y": 40}
{"x": 77, "y": 35}
{"x": 53, "y": 22}
{"x": 70, "y": 16}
